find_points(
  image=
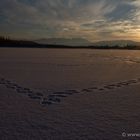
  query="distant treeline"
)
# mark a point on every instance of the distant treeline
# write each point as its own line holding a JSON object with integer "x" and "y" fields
{"x": 128, "y": 47}
{"x": 7, "y": 42}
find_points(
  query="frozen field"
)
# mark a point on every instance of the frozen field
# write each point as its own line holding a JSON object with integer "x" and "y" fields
{"x": 70, "y": 94}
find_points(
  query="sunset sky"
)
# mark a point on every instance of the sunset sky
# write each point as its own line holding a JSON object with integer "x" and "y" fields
{"x": 90, "y": 19}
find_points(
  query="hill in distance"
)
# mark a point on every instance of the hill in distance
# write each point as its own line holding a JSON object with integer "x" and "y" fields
{"x": 70, "y": 43}
{"x": 64, "y": 41}
{"x": 85, "y": 43}
{"x": 119, "y": 43}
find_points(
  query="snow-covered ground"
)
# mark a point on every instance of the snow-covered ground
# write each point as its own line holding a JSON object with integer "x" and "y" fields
{"x": 67, "y": 94}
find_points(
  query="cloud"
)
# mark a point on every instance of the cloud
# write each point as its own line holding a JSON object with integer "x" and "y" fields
{"x": 91, "y": 19}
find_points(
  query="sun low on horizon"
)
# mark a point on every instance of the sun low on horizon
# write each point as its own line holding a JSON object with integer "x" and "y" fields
{"x": 94, "y": 20}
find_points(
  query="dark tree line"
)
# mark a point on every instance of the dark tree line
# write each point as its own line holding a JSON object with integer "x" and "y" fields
{"x": 7, "y": 42}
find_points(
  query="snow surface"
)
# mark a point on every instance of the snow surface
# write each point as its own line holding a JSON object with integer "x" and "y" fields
{"x": 69, "y": 94}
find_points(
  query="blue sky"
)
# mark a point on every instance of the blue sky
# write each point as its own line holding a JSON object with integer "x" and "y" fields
{"x": 91, "y": 19}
